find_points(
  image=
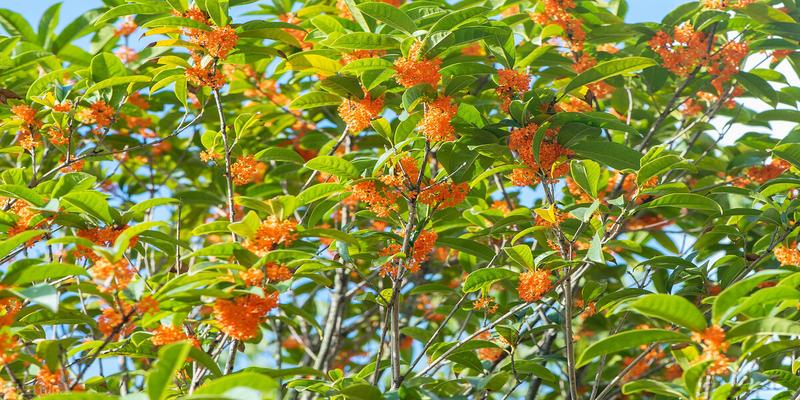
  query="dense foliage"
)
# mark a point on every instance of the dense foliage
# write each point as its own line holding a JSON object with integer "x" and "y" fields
{"x": 429, "y": 200}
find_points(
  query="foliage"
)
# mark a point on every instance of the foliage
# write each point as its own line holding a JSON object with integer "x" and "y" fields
{"x": 359, "y": 200}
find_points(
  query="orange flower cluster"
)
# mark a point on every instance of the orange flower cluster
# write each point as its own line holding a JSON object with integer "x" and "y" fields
{"x": 166, "y": 334}
{"x": 787, "y": 255}
{"x": 358, "y": 114}
{"x": 423, "y": 245}
{"x": 485, "y": 303}
{"x": 23, "y": 214}
{"x": 99, "y": 236}
{"x": 533, "y": 285}
{"x": 252, "y": 277}
{"x": 138, "y": 100}
{"x": 270, "y": 234}
{"x": 381, "y": 200}
{"x": 411, "y": 71}
{"x": 509, "y": 83}
{"x": 552, "y": 155}
{"x": 101, "y": 113}
{"x": 9, "y": 308}
{"x": 347, "y": 58}
{"x": 28, "y": 138}
{"x": 725, "y": 63}
{"x": 682, "y": 52}
{"x": 219, "y": 41}
{"x": 762, "y": 174}
{"x": 555, "y": 13}
{"x": 240, "y": 318}
{"x": 247, "y": 170}
{"x": 435, "y": 125}
{"x": 49, "y": 382}
{"x": 523, "y": 177}
{"x": 112, "y": 276}
{"x": 489, "y": 353}
{"x": 110, "y": 323}
{"x": 722, "y": 4}
{"x": 57, "y": 136}
{"x": 574, "y": 104}
{"x": 278, "y": 272}
{"x": 208, "y": 75}
{"x": 147, "y": 305}
{"x": 126, "y": 28}
{"x": 8, "y": 345}
{"x": 712, "y": 341}
{"x": 444, "y": 194}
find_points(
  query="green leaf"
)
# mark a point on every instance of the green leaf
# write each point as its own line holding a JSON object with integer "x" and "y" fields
{"x": 685, "y": 200}
{"x": 732, "y": 295}
{"x": 628, "y": 340}
{"x": 16, "y": 25}
{"x": 279, "y": 154}
{"x": 521, "y": 254}
{"x": 315, "y": 99}
{"x": 586, "y": 174}
{"x": 117, "y": 80}
{"x": 479, "y": 250}
{"x": 124, "y": 238}
{"x": 652, "y": 386}
{"x": 130, "y": 9}
{"x": 44, "y": 295}
{"x": 92, "y": 203}
{"x": 23, "y": 193}
{"x": 656, "y": 167}
{"x": 671, "y": 308}
{"x": 106, "y": 66}
{"x": 170, "y": 360}
{"x": 333, "y": 165}
{"x": 594, "y": 119}
{"x": 42, "y": 272}
{"x": 361, "y": 391}
{"x": 365, "y": 41}
{"x": 615, "y": 155}
{"x": 241, "y": 385}
{"x": 607, "y": 69}
{"x": 693, "y": 376}
{"x": 789, "y": 152}
{"x": 389, "y": 15}
{"x": 756, "y": 86}
{"x": 764, "y": 327}
{"x": 10, "y": 244}
{"x": 486, "y": 276}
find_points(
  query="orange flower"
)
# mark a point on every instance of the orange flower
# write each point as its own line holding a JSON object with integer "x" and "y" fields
{"x": 607, "y": 48}
{"x": 240, "y": 318}
{"x": 8, "y": 348}
{"x": 762, "y": 174}
{"x": 138, "y": 100}
{"x": 126, "y": 28}
{"x": 787, "y": 255}
{"x": 485, "y": 303}
{"x": 126, "y": 54}
{"x": 347, "y": 58}
{"x": 166, "y": 334}
{"x": 101, "y": 113}
{"x": 423, "y": 245}
{"x": 57, "y": 137}
{"x": 252, "y": 277}
{"x": 411, "y": 71}
{"x": 49, "y": 382}
{"x": 112, "y": 276}
{"x": 247, "y": 170}
{"x": 278, "y": 273}
{"x": 358, "y": 114}
{"x": 9, "y": 308}
{"x": 209, "y": 155}
{"x": 435, "y": 125}
{"x": 555, "y": 13}
{"x": 533, "y": 285}
{"x": 489, "y": 353}
{"x": 381, "y": 201}
{"x": 523, "y": 177}
{"x": 444, "y": 195}
{"x": 200, "y": 75}
{"x": 147, "y": 304}
{"x": 62, "y": 107}
{"x": 270, "y": 234}
{"x": 682, "y": 53}
{"x": 219, "y": 41}
{"x": 552, "y": 155}
{"x": 110, "y": 323}
{"x": 27, "y": 115}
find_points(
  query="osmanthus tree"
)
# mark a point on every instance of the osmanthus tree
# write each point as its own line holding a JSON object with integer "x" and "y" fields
{"x": 362, "y": 200}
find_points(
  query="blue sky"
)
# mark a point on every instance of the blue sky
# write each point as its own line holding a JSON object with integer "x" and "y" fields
{"x": 639, "y": 10}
